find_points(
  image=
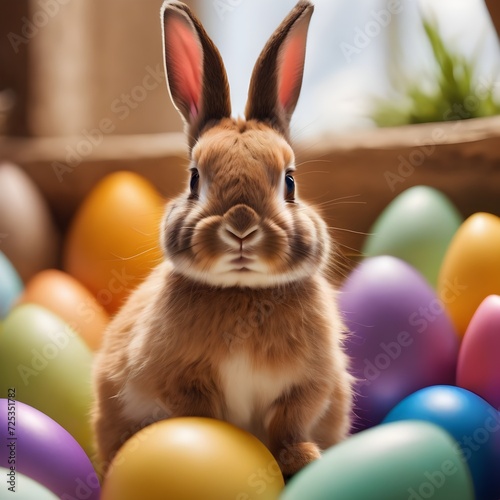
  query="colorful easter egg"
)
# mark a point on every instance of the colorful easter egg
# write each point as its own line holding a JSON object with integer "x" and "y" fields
{"x": 471, "y": 268}
{"x": 11, "y": 285}
{"x": 44, "y": 451}
{"x": 400, "y": 339}
{"x": 49, "y": 366}
{"x": 473, "y": 423}
{"x": 28, "y": 236}
{"x": 71, "y": 301}
{"x": 404, "y": 460}
{"x": 189, "y": 458}
{"x": 113, "y": 241}
{"x": 479, "y": 359}
{"x": 417, "y": 227}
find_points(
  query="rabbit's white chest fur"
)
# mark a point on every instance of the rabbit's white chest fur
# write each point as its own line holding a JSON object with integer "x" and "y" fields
{"x": 249, "y": 392}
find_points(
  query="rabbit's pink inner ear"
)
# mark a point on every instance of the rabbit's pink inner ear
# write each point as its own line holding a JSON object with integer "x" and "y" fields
{"x": 185, "y": 64}
{"x": 291, "y": 67}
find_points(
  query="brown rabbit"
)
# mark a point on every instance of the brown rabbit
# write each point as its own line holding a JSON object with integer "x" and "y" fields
{"x": 239, "y": 322}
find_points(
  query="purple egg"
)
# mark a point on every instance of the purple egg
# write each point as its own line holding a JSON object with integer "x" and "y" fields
{"x": 34, "y": 445}
{"x": 401, "y": 338}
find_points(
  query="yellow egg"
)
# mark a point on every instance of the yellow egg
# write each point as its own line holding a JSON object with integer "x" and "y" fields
{"x": 113, "y": 241}
{"x": 28, "y": 236}
{"x": 471, "y": 268}
{"x": 193, "y": 458}
{"x": 71, "y": 301}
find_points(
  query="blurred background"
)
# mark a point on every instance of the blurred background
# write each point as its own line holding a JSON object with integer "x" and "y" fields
{"x": 67, "y": 64}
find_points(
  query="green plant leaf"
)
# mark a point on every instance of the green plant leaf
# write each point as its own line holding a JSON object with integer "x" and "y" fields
{"x": 453, "y": 95}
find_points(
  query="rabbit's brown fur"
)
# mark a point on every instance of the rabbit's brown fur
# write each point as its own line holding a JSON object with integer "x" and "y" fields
{"x": 239, "y": 322}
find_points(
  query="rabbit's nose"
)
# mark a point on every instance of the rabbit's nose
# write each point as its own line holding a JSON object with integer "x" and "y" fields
{"x": 241, "y": 221}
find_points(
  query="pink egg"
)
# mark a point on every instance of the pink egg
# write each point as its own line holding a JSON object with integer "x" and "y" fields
{"x": 479, "y": 358}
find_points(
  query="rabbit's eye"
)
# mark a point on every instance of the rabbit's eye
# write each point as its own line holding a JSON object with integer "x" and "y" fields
{"x": 290, "y": 187}
{"x": 193, "y": 183}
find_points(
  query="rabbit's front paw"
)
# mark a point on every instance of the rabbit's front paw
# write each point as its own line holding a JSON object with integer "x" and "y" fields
{"x": 293, "y": 457}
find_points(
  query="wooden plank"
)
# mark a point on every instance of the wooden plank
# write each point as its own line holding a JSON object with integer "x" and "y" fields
{"x": 364, "y": 173}
{"x": 14, "y": 68}
{"x": 352, "y": 176}
{"x": 494, "y": 8}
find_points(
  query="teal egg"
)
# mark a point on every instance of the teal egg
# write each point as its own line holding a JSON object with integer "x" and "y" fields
{"x": 417, "y": 226}
{"x": 472, "y": 422}
{"x": 11, "y": 285}
{"x": 402, "y": 460}
{"x": 49, "y": 366}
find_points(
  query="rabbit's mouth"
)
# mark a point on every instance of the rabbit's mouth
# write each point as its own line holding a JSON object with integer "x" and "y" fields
{"x": 241, "y": 264}
{"x": 242, "y": 261}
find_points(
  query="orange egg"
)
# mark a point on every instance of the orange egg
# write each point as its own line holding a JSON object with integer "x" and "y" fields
{"x": 471, "y": 268}
{"x": 71, "y": 301}
{"x": 113, "y": 241}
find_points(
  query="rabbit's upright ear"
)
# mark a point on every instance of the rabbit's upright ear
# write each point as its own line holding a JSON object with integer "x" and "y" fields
{"x": 277, "y": 76}
{"x": 196, "y": 76}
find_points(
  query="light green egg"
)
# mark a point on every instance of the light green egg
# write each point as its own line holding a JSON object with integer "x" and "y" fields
{"x": 417, "y": 226}
{"x": 49, "y": 366}
{"x": 24, "y": 488}
{"x": 403, "y": 460}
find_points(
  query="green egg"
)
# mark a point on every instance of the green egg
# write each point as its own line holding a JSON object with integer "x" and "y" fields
{"x": 49, "y": 366}
{"x": 417, "y": 226}
{"x": 409, "y": 460}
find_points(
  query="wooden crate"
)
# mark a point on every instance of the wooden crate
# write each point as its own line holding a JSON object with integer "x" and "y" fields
{"x": 70, "y": 64}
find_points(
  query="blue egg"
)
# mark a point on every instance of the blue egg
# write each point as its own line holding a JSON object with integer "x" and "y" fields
{"x": 472, "y": 421}
{"x": 11, "y": 285}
